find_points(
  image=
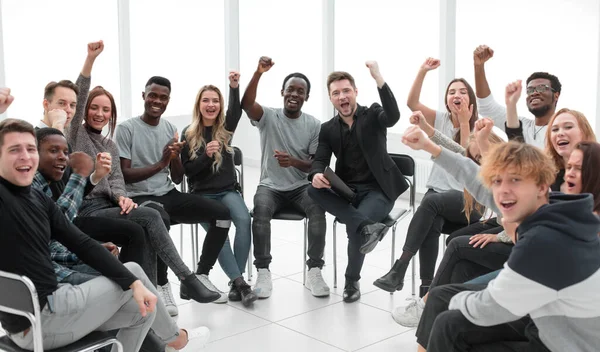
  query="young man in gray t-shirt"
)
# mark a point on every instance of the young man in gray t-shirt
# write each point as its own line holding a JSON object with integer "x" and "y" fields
{"x": 149, "y": 154}
{"x": 288, "y": 141}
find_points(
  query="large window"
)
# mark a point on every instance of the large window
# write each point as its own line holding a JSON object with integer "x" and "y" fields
{"x": 400, "y": 35}
{"x": 47, "y": 41}
{"x": 181, "y": 40}
{"x": 555, "y": 36}
{"x": 291, "y": 34}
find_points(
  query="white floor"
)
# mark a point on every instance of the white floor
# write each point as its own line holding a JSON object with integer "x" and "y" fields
{"x": 292, "y": 319}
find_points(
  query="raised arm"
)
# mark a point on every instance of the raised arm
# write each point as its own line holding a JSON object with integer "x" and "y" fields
{"x": 83, "y": 83}
{"x": 414, "y": 95}
{"x": 418, "y": 119}
{"x": 481, "y": 54}
{"x": 388, "y": 113}
{"x": 249, "y": 104}
{"x": 513, "y": 93}
{"x": 234, "y": 107}
{"x": 5, "y": 99}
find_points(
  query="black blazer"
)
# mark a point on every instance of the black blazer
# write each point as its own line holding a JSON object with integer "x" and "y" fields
{"x": 371, "y": 129}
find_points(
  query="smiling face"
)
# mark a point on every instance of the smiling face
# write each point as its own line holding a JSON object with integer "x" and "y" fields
{"x": 517, "y": 197}
{"x": 294, "y": 94}
{"x": 210, "y": 107}
{"x": 573, "y": 172}
{"x": 156, "y": 99}
{"x": 540, "y": 103}
{"x": 99, "y": 112}
{"x": 18, "y": 158}
{"x": 54, "y": 157}
{"x": 63, "y": 99}
{"x": 565, "y": 134}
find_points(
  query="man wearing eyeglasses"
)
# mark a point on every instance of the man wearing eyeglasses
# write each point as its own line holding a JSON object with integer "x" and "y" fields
{"x": 543, "y": 90}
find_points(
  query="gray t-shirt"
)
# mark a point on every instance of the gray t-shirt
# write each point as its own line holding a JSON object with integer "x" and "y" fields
{"x": 298, "y": 137}
{"x": 143, "y": 145}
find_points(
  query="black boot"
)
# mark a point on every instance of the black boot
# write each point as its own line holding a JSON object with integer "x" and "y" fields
{"x": 234, "y": 295}
{"x": 394, "y": 279}
{"x": 192, "y": 288}
{"x": 372, "y": 234}
{"x": 423, "y": 289}
{"x": 351, "y": 291}
{"x": 247, "y": 295}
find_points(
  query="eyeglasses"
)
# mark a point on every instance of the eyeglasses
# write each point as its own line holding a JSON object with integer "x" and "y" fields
{"x": 541, "y": 88}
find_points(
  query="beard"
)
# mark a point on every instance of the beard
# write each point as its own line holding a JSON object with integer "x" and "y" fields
{"x": 542, "y": 110}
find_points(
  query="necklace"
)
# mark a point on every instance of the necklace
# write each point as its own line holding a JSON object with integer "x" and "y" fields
{"x": 536, "y": 131}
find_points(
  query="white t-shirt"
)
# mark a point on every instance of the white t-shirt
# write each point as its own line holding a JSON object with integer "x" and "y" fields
{"x": 439, "y": 180}
{"x": 534, "y": 135}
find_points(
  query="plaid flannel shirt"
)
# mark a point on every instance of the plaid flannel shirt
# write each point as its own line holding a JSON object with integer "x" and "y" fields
{"x": 69, "y": 202}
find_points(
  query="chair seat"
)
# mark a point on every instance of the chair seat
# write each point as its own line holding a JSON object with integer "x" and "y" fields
{"x": 393, "y": 216}
{"x": 390, "y": 219}
{"x": 95, "y": 338}
{"x": 286, "y": 214}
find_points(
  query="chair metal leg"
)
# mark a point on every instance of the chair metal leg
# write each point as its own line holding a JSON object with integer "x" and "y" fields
{"x": 393, "y": 248}
{"x": 334, "y": 256}
{"x": 304, "y": 253}
{"x": 181, "y": 239}
{"x": 193, "y": 238}
{"x": 414, "y": 277}
{"x": 197, "y": 257}
{"x": 250, "y": 264}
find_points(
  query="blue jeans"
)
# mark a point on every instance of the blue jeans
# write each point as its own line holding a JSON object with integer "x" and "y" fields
{"x": 234, "y": 262}
{"x": 484, "y": 279}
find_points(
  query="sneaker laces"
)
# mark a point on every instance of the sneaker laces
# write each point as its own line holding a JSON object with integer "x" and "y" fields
{"x": 317, "y": 277}
{"x": 167, "y": 295}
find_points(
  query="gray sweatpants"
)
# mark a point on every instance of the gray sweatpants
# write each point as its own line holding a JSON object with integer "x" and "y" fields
{"x": 100, "y": 304}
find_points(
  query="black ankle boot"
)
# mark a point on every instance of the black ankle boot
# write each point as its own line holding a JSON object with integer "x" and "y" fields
{"x": 423, "y": 290}
{"x": 247, "y": 295}
{"x": 234, "y": 294}
{"x": 192, "y": 288}
{"x": 394, "y": 279}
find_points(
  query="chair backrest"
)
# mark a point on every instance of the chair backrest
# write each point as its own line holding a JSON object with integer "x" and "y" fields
{"x": 238, "y": 160}
{"x": 406, "y": 164}
{"x": 18, "y": 296}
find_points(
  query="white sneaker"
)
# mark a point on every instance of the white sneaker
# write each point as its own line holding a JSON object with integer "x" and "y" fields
{"x": 264, "y": 284}
{"x": 316, "y": 284}
{"x": 167, "y": 297}
{"x": 197, "y": 339}
{"x": 209, "y": 285}
{"x": 409, "y": 316}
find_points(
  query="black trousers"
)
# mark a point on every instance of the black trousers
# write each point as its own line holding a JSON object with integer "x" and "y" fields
{"x": 462, "y": 262}
{"x": 185, "y": 208}
{"x": 443, "y": 330}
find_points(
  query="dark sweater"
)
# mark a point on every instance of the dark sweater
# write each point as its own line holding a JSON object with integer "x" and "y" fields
{"x": 30, "y": 219}
{"x": 201, "y": 178}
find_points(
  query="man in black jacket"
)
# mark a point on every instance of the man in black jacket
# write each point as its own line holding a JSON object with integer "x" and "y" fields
{"x": 357, "y": 136}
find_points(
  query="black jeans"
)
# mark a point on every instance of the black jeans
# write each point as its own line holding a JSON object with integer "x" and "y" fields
{"x": 267, "y": 202}
{"x": 443, "y": 330}
{"x": 463, "y": 262}
{"x": 426, "y": 226}
{"x": 490, "y": 226}
{"x": 371, "y": 205}
{"x": 185, "y": 208}
{"x": 126, "y": 234}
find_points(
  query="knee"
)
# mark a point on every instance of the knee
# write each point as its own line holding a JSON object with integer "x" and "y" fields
{"x": 262, "y": 212}
{"x": 446, "y": 322}
{"x": 241, "y": 218}
{"x": 136, "y": 270}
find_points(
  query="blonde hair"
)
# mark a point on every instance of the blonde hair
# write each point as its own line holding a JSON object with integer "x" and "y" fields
{"x": 528, "y": 161}
{"x": 195, "y": 133}
{"x": 584, "y": 126}
{"x": 469, "y": 201}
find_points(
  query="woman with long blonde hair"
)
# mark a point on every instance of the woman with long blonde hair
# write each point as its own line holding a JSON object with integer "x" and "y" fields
{"x": 208, "y": 160}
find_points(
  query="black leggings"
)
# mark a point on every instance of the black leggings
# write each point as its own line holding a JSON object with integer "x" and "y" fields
{"x": 185, "y": 208}
{"x": 427, "y": 223}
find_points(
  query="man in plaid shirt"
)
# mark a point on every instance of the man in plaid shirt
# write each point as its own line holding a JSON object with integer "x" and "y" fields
{"x": 54, "y": 160}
